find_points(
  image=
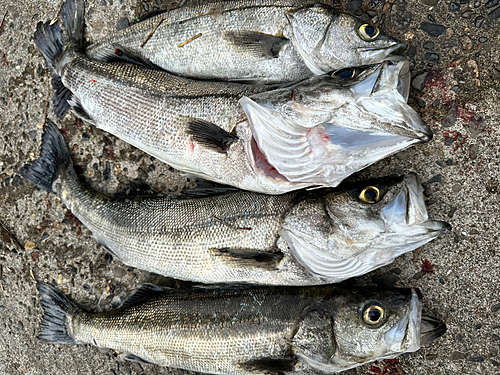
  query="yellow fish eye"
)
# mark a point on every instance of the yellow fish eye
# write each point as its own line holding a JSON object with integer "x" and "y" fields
{"x": 346, "y": 73}
{"x": 373, "y": 314}
{"x": 368, "y": 32}
{"x": 370, "y": 194}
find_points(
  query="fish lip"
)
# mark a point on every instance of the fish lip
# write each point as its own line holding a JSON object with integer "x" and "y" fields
{"x": 430, "y": 329}
{"x": 368, "y": 57}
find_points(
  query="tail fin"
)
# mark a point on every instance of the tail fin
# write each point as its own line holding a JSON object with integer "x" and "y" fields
{"x": 52, "y": 43}
{"x": 54, "y": 157}
{"x": 56, "y": 307}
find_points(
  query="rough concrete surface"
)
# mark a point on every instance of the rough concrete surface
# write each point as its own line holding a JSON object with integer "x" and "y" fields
{"x": 455, "y": 43}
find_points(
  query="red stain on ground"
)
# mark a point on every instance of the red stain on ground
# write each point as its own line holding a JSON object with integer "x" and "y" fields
{"x": 72, "y": 218}
{"x": 386, "y": 367}
{"x": 66, "y": 132}
{"x": 427, "y": 266}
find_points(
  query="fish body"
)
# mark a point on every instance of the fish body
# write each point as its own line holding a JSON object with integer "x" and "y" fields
{"x": 298, "y": 238}
{"x": 244, "y": 330}
{"x": 258, "y": 41}
{"x": 200, "y": 128}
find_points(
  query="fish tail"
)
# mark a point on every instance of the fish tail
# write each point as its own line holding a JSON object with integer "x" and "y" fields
{"x": 54, "y": 45}
{"x": 54, "y": 159}
{"x": 57, "y": 307}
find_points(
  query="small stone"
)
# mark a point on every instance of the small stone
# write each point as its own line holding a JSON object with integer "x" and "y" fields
{"x": 493, "y": 351}
{"x": 396, "y": 271}
{"x": 450, "y": 118}
{"x": 494, "y": 13}
{"x": 45, "y": 236}
{"x": 476, "y": 359}
{"x": 495, "y": 363}
{"x": 430, "y": 2}
{"x": 496, "y": 337}
{"x": 85, "y": 137}
{"x": 478, "y": 326}
{"x": 454, "y": 7}
{"x": 387, "y": 7}
{"x": 483, "y": 39}
{"x": 432, "y": 57}
{"x": 86, "y": 287}
{"x": 60, "y": 279}
{"x": 386, "y": 280}
{"x": 441, "y": 163}
{"x": 429, "y": 45}
{"x": 436, "y": 178}
{"x": 29, "y": 245}
{"x": 432, "y": 29}
{"x": 466, "y": 14}
{"x": 119, "y": 272}
{"x": 354, "y": 5}
{"x": 2, "y": 308}
{"x": 436, "y": 102}
{"x": 431, "y": 357}
{"x": 419, "y": 275}
{"x": 449, "y": 141}
{"x": 122, "y": 23}
{"x": 477, "y": 4}
{"x": 467, "y": 43}
{"x": 108, "y": 258}
{"x": 479, "y": 21}
{"x": 491, "y": 4}
{"x": 473, "y": 150}
{"x": 441, "y": 281}
{"x": 457, "y": 355}
{"x": 418, "y": 83}
{"x": 20, "y": 326}
{"x": 495, "y": 308}
{"x": 145, "y": 6}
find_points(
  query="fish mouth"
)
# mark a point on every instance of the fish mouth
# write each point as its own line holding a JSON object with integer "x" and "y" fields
{"x": 430, "y": 329}
{"x": 373, "y": 55}
{"x": 408, "y": 210}
{"x": 384, "y": 93}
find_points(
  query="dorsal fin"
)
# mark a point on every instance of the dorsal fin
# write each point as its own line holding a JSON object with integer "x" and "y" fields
{"x": 143, "y": 292}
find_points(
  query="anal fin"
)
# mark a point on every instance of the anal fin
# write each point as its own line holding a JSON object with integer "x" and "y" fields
{"x": 134, "y": 358}
{"x": 249, "y": 258}
{"x": 257, "y": 45}
{"x": 270, "y": 365}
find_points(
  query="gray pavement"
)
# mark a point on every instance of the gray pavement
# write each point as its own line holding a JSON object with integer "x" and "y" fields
{"x": 459, "y": 98}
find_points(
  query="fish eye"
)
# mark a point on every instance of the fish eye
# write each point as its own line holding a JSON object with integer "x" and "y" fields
{"x": 373, "y": 314}
{"x": 346, "y": 73}
{"x": 370, "y": 194}
{"x": 368, "y": 32}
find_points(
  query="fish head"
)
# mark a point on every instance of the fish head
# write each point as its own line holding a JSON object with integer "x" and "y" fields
{"x": 359, "y": 227}
{"x": 323, "y": 129}
{"x": 328, "y": 40}
{"x": 368, "y": 324}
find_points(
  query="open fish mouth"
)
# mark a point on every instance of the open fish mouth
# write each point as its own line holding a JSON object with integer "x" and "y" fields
{"x": 414, "y": 329}
{"x": 373, "y": 55}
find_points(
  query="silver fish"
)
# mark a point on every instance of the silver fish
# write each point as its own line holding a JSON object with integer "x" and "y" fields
{"x": 248, "y": 330}
{"x": 200, "y": 128}
{"x": 258, "y": 41}
{"x": 298, "y": 238}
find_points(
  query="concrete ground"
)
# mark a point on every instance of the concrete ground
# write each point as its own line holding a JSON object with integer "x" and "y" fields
{"x": 455, "y": 43}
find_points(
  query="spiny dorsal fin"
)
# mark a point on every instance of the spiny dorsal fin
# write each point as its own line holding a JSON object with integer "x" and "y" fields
{"x": 257, "y": 45}
{"x": 244, "y": 258}
{"x": 209, "y": 135}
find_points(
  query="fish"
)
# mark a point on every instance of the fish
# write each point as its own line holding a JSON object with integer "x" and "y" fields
{"x": 298, "y": 238}
{"x": 243, "y": 330}
{"x": 256, "y": 41}
{"x": 201, "y": 129}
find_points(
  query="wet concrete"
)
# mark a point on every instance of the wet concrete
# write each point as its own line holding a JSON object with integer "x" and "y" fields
{"x": 455, "y": 43}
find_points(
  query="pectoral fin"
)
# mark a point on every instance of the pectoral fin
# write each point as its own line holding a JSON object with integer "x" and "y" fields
{"x": 209, "y": 135}
{"x": 269, "y": 365}
{"x": 257, "y": 45}
{"x": 244, "y": 258}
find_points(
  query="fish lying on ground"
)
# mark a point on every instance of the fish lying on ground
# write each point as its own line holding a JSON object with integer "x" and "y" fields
{"x": 236, "y": 330}
{"x": 258, "y": 41}
{"x": 200, "y": 128}
{"x": 299, "y": 238}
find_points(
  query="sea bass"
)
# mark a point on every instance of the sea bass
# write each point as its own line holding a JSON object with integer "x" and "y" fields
{"x": 258, "y": 41}
{"x": 248, "y": 330}
{"x": 298, "y": 238}
{"x": 200, "y": 128}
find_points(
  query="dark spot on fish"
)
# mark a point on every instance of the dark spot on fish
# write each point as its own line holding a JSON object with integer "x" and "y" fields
{"x": 118, "y": 52}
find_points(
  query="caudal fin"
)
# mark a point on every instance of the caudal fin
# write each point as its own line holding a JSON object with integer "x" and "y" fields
{"x": 54, "y": 44}
{"x": 54, "y": 158}
{"x": 56, "y": 307}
